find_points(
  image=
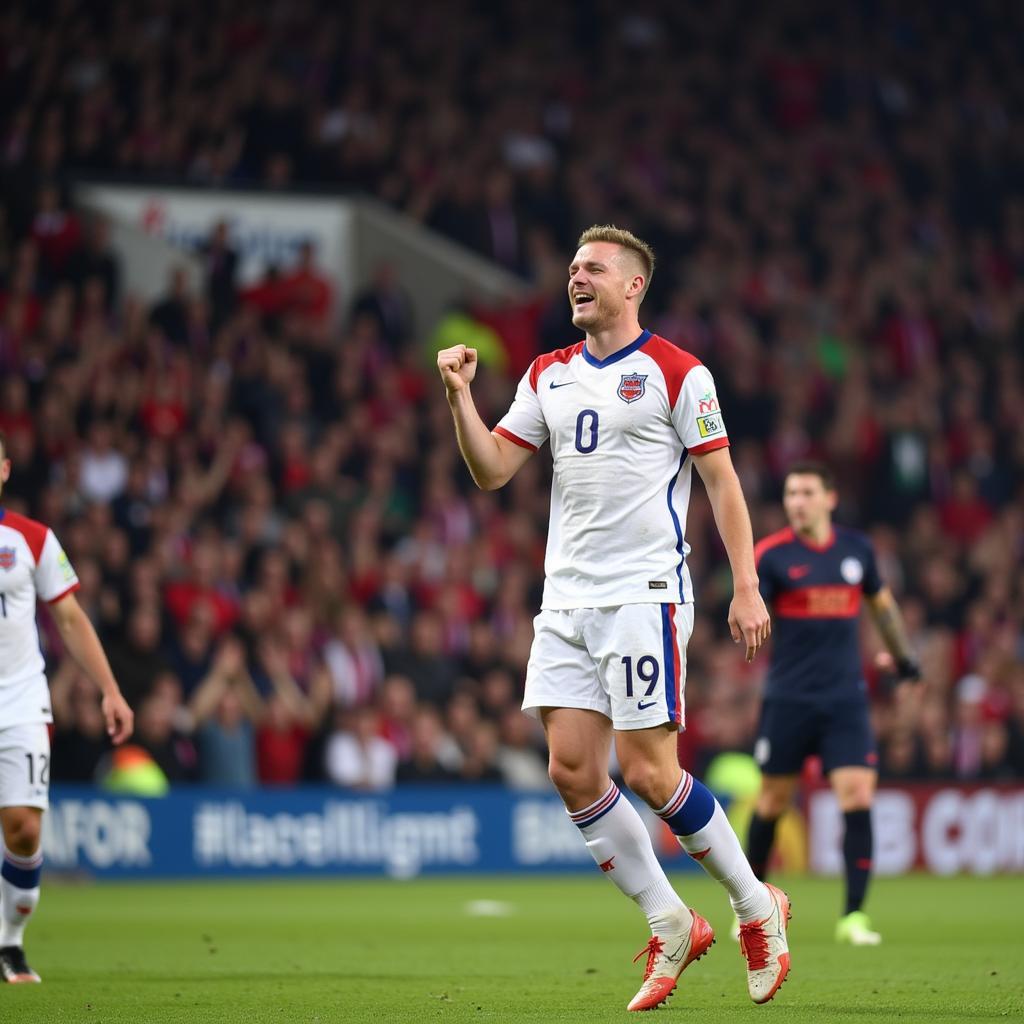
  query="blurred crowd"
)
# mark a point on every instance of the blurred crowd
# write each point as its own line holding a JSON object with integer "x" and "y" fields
{"x": 276, "y": 540}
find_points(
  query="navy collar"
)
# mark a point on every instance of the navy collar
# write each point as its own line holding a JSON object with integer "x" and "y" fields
{"x": 616, "y": 356}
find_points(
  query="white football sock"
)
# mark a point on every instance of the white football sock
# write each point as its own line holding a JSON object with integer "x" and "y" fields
{"x": 719, "y": 853}
{"x": 621, "y": 846}
{"x": 17, "y": 904}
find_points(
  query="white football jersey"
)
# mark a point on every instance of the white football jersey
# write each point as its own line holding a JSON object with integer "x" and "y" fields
{"x": 622, "y": 431}
{"x": 32, "y": 564}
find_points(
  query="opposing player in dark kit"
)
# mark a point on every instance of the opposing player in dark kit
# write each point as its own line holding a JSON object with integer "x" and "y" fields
{"x": 813, "y": 575}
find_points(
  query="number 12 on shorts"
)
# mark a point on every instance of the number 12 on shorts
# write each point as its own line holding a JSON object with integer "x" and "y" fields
{"x": 647, "y": 671}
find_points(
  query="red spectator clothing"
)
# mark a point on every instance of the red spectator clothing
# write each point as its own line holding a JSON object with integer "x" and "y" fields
{"x": 307, "y": 293}
{"x": 266, "y": 296}
{"x": 877, "y": 175}
{"x": 364, "y": 586}
{"x": 517, "y": 325}
{"x": 965, "y": 521}
{"x": 958, "y": 442}
{"x": 398, "y": 734}
{"x": 23, "y": 312}
{"x": 295, "y": 475}
{"x": 969, "y": 646}
{"x": 911, "y": 342}
{"x": 469, "y": 605}
{"x": 245, "y": 33}
{"x": 280, "y": 754}
{"x": 384, "y": 409}
{"x": 797, "y": 87}
{"x": 183, "y": 596}
{"x": 57, "y": 234}
{"x": 283, "y": 597}
{"x": 996, "y": 267}
{"x": 163, "y": 418}
{"x": 412, "y": 385}
{"x": 13, "y": 424}
{"x": 497, "y": 549}
{"x": 869, "y": 439}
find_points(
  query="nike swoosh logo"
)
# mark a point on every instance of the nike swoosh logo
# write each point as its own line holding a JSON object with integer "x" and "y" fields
{"x": 564, "y": 384}
{"x": 641, "y": 706}
{"x": 678, "y": 954}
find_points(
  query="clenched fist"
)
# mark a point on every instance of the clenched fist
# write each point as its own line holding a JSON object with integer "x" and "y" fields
{"x": 457, "y": 366}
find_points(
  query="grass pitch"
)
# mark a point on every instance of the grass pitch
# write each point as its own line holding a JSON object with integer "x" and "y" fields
{"x": 485, "y": 949}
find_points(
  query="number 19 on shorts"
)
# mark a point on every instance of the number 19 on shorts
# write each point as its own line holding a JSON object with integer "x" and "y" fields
{"x": 646, "y": 671}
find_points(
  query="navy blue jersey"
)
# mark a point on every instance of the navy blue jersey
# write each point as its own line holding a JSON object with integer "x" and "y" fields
{"x": 814, "y": 596}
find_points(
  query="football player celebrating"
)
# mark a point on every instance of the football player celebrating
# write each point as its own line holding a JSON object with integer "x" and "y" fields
{"x": 628, "y": 415}
{"x": 33, "y": 565}
{"x": 813, "y": 575}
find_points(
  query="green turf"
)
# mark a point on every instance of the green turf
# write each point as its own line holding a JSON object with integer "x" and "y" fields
{"x": 408, "y": 951}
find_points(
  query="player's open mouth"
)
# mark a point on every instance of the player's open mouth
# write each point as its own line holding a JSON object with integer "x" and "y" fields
{"x": 582, "y": 298}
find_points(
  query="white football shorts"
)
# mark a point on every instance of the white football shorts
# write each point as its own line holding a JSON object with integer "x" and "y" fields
{"x": 627, "y": 662}
{"x": 25, "y": 765}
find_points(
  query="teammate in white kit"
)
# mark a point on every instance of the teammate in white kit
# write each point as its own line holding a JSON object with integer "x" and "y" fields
{"x": 33, "y": 565}
{"x": 628, "y": 415}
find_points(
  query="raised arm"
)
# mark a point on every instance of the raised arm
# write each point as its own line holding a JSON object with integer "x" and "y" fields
{"x": 749, "y": 621}
{"x": 84, "y": 646}
{"x": 275, "y": 664}
{"x": 228, "y": 672}
{"x": 492, "y": 460}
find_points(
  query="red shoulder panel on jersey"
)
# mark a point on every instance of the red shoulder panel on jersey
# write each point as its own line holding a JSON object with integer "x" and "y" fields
{"x": 33, "y": 532}
{"x": 773, "y": 540}
{"x": 514, "y": 438}
{"x": 675, "y": 363}
{"x": 823, "y": 602}
{"x": 541, "y": 363}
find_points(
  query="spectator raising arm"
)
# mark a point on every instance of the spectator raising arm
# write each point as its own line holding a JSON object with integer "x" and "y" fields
{"x": 305, "y": 710}
{"x": 227, "y": 674}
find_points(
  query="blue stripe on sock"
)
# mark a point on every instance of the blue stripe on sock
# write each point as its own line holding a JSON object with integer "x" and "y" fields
{"x": 695, "y": 813}
{"x": 21, "y": 878}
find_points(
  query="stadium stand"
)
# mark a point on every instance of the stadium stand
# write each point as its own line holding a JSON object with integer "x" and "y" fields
{"x": 275, "y": 537}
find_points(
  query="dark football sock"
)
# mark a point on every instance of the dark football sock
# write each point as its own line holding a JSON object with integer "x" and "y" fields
{"x": 857, "y": 847}
{"x": 759, "y": 843}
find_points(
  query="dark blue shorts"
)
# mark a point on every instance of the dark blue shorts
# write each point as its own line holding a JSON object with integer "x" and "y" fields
{"x": 791, "y": 731}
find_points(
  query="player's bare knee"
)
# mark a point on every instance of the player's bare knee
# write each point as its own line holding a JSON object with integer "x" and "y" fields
{"x": 854, "y": 800}
{"x": 773, "y": 802}
{"x": 769, "y": 809}
{"x": 21, "y": 831}
{"x": 575, "y": 783}
{"x": 854, "y": 789}
{"x": 644, "y": 778}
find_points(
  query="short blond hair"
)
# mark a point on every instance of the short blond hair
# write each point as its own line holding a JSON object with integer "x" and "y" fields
{"x": 626, "y": 240}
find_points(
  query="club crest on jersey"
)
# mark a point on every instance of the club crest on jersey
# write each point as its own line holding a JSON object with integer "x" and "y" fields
{"x": 851, "y": 570}
{"x": 632, "y": 387}
{"x": 8, "y": 556}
